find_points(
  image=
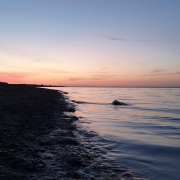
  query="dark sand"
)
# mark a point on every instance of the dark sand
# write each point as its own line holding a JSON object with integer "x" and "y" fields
{"x": 39, "y": 141}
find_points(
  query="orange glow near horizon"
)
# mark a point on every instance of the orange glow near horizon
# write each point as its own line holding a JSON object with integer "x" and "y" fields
{"x": 89, "y": 80}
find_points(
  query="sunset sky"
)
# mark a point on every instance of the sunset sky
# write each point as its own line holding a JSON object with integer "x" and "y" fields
{"x": 90, "y": 42}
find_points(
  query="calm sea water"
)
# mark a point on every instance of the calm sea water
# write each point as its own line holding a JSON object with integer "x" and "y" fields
{"x": 144, "y": 136}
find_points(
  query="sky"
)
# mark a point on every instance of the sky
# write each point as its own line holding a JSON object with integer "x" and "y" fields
{"x": 126, "y": 43}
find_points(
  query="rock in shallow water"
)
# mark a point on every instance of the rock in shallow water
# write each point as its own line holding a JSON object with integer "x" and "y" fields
{"x": 116, "y": 102}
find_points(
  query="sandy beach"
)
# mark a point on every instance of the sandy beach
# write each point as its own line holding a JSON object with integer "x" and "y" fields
{"x": 39, "y": 140}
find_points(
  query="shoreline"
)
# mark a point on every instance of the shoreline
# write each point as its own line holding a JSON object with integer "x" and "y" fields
{"x": 40, "y": 139}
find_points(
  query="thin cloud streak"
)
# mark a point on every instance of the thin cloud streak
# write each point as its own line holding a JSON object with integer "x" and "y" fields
{"x": 160, "y": 73}
{"x": 75, "y": 79}
{"x": 114, "y": 38}
{"x": 159, "y": 70}
{"x": 51, "y": 70}
{"x": 102, "y": 77}
{"x": 93, "y": 77}
{"x": 176, "y": 73}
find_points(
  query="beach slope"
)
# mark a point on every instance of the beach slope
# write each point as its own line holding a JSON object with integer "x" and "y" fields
{"x": 40, "y": 139}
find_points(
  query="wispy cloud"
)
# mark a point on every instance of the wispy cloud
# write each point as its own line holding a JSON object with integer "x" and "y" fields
{"x": 159, "y": 70}
{"x": 175, "y": 73}
{"x": 123, "y": 39}
{"x": 135, "y": 61}
{"x": 102, "y": 77}
{"x": 93, "y": 77}
{"x": 114, "y": 38}
{"x": 75, "y": 79}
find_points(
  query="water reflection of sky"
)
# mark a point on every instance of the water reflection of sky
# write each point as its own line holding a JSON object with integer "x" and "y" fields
{"x": 144, "y": 135}
{"x": 152, "y": 117}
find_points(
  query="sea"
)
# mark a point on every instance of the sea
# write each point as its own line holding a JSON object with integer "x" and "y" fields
{"x": 143, "y": 136}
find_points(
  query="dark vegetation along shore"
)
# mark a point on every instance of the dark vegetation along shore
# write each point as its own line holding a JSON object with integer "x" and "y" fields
{"x": 40, "y": 139}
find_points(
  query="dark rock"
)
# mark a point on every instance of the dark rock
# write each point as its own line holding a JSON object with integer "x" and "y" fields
{"x": 75, "y": 118}
{"x": 71, "y": 109}
{"x": 78, "y": 102}
{"x": 116, "y": 102}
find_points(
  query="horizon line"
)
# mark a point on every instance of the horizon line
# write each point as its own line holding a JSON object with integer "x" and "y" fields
{"x": 51, "y": 85}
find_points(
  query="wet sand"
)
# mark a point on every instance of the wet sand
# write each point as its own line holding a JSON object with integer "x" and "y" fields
{"x": 40, "y": 140}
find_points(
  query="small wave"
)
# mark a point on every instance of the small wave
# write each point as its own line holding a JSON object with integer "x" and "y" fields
{"x": 164, "y": 119}
{"x": 83, "y": 102}
{"x": 79, "y": 102}
{"x": 167, "y": 110}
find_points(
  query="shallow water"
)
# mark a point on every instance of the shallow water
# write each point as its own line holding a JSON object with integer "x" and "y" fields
{"x": 144, "y": 136}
